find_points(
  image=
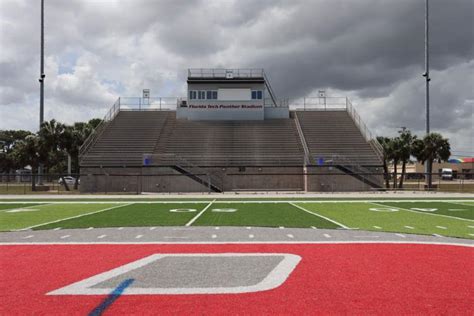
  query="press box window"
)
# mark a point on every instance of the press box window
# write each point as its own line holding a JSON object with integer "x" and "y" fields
{"x": 192, "y": 95}
{"x": 211, "y": 95}
{"x": 201, "y": 95}
{"x": 257, "y": 95}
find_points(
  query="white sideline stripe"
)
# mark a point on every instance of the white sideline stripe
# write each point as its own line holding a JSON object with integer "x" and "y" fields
{"x": 242, "y": 202}
{"x": 282, "y": 227}
{"x": 441, "y": 227}
{"x": 401, "y": 235}
{"x": 76, "y": 216}
{"x": 290, "y": 236}
{"x": 437, "y": 235}
{"x": 313, "y": 227}
{"x": 432, "y": 214}
{"x": 409, "y": 227}
{"x": 101, "y": 236}
{"x": 288, "y": 242}
{"x": 65, "y": 236}
{"x": 57, "y": 228}
{"x": 199, "y": 214}
{"x": 327, "y": 235}
{"x": 90, "y": 228}
{"x": 316, "y": 214}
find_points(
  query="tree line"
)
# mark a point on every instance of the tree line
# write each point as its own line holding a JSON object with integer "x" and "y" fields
{"x": 431, "y": 148}
{"x": 49, "y": 147}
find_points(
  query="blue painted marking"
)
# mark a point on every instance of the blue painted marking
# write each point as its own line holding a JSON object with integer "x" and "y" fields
{"x": 111, "y": 298}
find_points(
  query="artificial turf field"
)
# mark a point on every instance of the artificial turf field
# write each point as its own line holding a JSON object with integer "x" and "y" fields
{"x": 453, "y": 218}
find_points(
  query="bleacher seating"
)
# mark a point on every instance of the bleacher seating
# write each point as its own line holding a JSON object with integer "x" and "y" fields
{"x": 333, "y": 136}
{"x": 233, "y": 143}
{"x": 127, "y": 137}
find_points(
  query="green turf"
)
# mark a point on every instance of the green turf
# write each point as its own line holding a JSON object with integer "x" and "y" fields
{"x": 443, "y": 208}
{"x": 261, "y": 214}
{"x": 134, "y": 215}
{"x": 16, "y": 205}
{"x": 360, "y": 215}
{"x": 45, "y": 213}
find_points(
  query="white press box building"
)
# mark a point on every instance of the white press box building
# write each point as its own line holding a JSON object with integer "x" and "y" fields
{"x": 231, "y": 133}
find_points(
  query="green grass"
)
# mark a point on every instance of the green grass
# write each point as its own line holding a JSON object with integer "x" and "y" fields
{"x": 134, "y": 215}
{"x": 262, "y": 215}
{"x": 364, "y": 216}
{"x": 45, "y": 213}
{"x": 455, "y": 219}
{"x": 442, "y": 208}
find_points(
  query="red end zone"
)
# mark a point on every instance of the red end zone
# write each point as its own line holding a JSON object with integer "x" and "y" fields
{"x": 331, "y": 278}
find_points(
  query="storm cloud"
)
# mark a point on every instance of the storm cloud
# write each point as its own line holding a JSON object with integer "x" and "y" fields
{"x": 369, "y": 50}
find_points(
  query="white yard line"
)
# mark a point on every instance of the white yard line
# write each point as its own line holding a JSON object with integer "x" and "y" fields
{"x": 318, "y": 215}
{"x": 425, "y": 213}
{"x": 199, "y": 214}
{"x": 441, "y": 227}
{"x": 14, "y": 208}
{"x": 458, "y": 203}
{"x": 77, "y": 216}
{"x": 409, "y": 227}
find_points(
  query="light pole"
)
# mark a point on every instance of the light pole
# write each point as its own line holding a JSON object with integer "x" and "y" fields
{"x": 427, "y": 80}
{"x": 41, "y": 80}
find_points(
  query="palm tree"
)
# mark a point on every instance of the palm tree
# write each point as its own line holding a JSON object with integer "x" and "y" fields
{"x": 386, "y": 144}
{"x": 73, "y": 137}
{"x": 30, "y": 151}
{"x": 406, "y": 140}
{"x": 433, "y": 147}
{"x": 51, "y": 133}
{"x": 395, "y": 157}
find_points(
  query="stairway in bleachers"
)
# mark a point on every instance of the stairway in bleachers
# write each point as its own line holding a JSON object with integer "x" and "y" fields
{"x": 333, "y": 136}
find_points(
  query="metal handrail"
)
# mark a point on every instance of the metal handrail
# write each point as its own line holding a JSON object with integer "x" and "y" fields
{"x": 95, "y": 134}
{"x": 368, "y": 135}
{"x": 222, "y": 72}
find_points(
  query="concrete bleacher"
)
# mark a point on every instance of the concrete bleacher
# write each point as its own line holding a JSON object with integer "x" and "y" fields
{"x": 231, "y": 143}
{"x": 333, "y": 136}
{"x": 127, "y": 137}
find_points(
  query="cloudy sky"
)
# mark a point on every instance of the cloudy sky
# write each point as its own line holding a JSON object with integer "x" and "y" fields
{"x": 369, "y": 50}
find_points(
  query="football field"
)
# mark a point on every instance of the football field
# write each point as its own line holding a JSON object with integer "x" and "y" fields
{"x": 450, "y": 218}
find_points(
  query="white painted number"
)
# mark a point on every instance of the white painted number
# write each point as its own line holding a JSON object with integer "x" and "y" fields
{"x": 224, "y": 210}
{"x": 183, "y": 210}
{"x": 425, "y": 209}
{"x": 384, "y": 209}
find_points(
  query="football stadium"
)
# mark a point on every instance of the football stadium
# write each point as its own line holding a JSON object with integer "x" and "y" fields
{"x": 231, "y": 134}
{"x": 238, "y": 197}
